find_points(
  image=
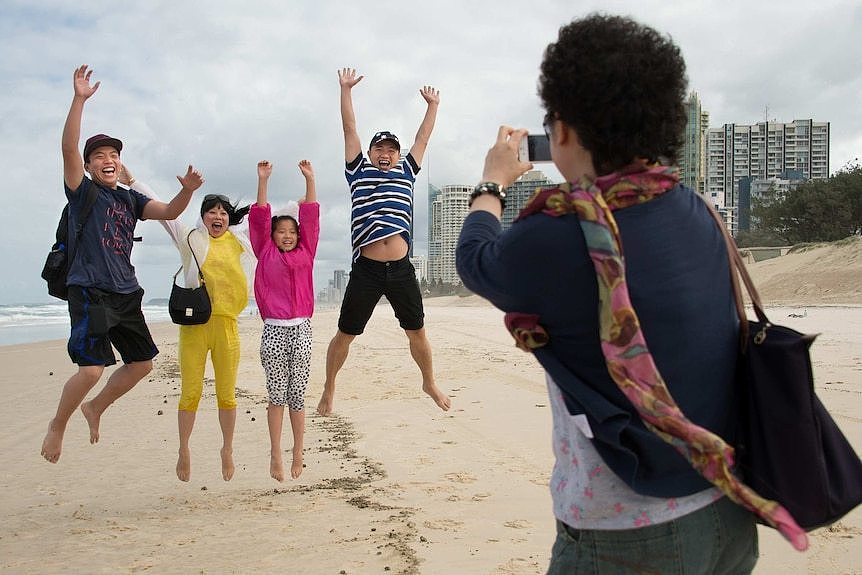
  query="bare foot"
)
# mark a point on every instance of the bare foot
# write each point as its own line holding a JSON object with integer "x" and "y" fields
{"x": 184, "y": 465}
{"x": 276, "y": 466}
{"x": 92, "y": 420}
{"x": 325, "y": 405}
{"x": 440, "y": 398}
{"x": 296, "y": 466}
{"x": 53, "y": 443}
{"x": 227, "y": 467}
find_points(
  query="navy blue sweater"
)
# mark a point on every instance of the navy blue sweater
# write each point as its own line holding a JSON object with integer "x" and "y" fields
{"x": 679, "y": 282}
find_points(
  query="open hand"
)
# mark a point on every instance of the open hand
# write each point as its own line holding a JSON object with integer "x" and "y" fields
{"x": 347, "y": 77}
{"x": 306, "y": 169}
{"x": 430, "y": 94}
{"x": 81, "y": 82}
{"x": 192, "y": 180}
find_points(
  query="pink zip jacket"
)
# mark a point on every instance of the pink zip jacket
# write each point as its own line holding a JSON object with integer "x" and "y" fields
{"x": 283, "y": 281}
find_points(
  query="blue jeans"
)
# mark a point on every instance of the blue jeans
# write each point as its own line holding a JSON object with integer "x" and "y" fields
{"x": 720, "y": 538}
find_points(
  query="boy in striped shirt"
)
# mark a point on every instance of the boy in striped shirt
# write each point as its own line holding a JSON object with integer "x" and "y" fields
{"x": 381, "y": 193}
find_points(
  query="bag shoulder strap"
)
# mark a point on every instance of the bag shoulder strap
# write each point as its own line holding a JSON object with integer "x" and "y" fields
{"x": 197, "y": 263}
{"x": 737, "y": 271}
{"x": 89, "y": 202}
{"x": 92, "y": 196}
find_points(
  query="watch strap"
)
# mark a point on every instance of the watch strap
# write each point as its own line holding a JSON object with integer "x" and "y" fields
{"x": 489, "y": 188}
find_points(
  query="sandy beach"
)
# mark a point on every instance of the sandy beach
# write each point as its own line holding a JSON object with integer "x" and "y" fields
{"x": 392, "y": 484}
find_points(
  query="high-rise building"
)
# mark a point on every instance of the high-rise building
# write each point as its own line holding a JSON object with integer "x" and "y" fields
{"x": 334, "y": 290}
{"x": 420, "y": 265}
{"x": 445, "y": 218}
{"x": 692, "y": 160}
{"x": 753, "y": 188}
{"x": 519, "y": 192}
{"x": 762, "y": 151}
{"x": 433, "y": 192}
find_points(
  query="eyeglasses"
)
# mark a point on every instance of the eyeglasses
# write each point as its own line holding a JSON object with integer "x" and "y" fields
{"x": 549, "y": 120}
{"x": 219, "y": 197}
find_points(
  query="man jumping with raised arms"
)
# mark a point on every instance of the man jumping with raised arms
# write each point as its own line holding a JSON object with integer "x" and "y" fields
{"x": 381, "y": 194}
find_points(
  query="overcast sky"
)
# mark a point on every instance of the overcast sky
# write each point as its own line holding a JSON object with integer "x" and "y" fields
{"x": 223, "y": 84}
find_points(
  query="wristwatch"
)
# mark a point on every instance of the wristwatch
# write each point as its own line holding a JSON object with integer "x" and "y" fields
{"x": 491, "y": 188}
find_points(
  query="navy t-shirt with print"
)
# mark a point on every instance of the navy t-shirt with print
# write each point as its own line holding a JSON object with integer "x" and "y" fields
{"x": 103, "y": 258}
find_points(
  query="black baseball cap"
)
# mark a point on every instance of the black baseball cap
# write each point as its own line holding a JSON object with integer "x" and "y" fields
{"x": 380, "y": 136}
{"x": 100, "y": 140}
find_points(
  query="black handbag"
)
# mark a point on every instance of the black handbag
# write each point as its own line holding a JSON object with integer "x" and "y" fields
{"x": 788, "y": 449}
{"x": 190, "y": 306}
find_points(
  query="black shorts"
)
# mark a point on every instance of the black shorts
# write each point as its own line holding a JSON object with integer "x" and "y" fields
{"x": 370, "y": 279}
{"x": 101, "y": 318}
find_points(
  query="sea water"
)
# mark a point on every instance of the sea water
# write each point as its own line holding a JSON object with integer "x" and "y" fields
{"x": 30, "y": 322}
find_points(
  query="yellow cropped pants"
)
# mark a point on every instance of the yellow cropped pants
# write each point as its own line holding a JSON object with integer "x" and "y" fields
{"x": 220, "y": 337}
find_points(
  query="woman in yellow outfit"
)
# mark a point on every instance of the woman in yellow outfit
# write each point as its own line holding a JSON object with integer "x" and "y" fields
{"x": 226, "y": 261}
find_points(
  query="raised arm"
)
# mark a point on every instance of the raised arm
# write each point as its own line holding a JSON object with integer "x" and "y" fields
{"x": 347, "y": 79}
{"x": 264, "y": 171}
{"x": 423, "y": 135}
{"x": 174, "y": 228}
{"x": 156, "y": 210}
{"x": 310, "y": 190}
{"x": 309, "y": 211}
{"x": 502, "y": 166}
{"x": 73, "y": 163}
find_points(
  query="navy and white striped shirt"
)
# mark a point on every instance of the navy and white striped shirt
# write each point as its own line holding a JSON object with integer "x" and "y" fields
{"x": 381, "y": 202}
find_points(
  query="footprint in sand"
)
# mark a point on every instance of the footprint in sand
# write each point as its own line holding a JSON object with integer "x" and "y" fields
{"x": 518, "y": 524}
{"x": 841, "y": 530}
{"x": 444, "y": 525}
{"x": 519, "y": 565}
{"x": 460, "y": 477}
{"x": 481, "y": 496}
{"x": 543, "y": 480}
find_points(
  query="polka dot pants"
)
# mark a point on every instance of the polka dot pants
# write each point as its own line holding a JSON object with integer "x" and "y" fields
{"x": 285, "y": 354}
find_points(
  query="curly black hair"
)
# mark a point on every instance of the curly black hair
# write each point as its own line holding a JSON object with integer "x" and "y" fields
{"x": 620, "y": 85}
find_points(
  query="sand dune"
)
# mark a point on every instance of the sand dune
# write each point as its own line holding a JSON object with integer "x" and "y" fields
{"x": 819, "y": 274}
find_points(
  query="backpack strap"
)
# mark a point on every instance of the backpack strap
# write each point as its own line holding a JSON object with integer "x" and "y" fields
{"x": 89, "y": 202}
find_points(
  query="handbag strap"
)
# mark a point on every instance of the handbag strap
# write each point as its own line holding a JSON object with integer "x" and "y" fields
{"x": 737, "y": 271}
{"x": 197, "y": 263}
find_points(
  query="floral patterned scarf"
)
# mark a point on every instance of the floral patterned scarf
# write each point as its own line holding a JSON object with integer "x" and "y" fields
{"x": 629, "y": 361}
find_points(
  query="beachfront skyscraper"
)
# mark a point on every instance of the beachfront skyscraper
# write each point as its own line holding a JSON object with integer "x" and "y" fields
{"x": 433, "y": 192}
{"x": 692, "y": 160}
{"x": 518, "y": 193}
{"x": 446, "y": 215}
{"x": 762, "y": 151}
{"x": 447, "y": 208}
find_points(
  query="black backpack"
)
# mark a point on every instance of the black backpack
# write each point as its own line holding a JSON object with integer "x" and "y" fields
{"x": 59, "y": 260}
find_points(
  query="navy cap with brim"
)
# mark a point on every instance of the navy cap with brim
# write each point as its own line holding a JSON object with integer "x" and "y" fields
{"x": 98, "y": 141}
{"x": 381, "y": 136}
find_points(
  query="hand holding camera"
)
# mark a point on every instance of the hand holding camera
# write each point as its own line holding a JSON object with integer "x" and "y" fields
{"x": 502, "y": 163}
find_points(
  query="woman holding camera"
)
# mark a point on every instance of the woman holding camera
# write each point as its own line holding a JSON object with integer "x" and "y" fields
{"x": 619, "y": 282}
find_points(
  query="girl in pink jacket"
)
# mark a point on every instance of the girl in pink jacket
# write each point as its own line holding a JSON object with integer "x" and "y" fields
{"x": 284, "y": 291}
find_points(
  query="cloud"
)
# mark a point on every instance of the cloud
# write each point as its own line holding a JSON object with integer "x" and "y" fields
{"x": 222, "y": 85}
